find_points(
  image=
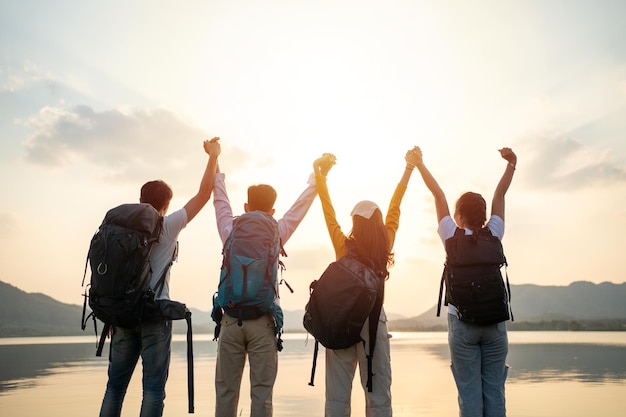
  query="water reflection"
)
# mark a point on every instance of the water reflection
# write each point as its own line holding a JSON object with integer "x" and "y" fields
{"x": 563, "y": 362}
{"x": 560, "y": 362}
{"x": 21, "y": 364}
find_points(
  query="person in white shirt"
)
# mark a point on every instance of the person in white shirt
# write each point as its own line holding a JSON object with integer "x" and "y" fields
{"x": 151, "y": 340}
{"x": 478, "y": 353}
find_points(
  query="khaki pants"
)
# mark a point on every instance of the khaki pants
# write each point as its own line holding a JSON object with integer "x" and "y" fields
{"x": 256, "y": 339}
{"x": 340, "y": 369}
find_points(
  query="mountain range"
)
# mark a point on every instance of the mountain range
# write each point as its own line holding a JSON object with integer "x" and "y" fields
{"x": 579, "y": 306}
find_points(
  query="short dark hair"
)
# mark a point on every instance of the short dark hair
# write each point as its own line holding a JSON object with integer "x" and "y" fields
{"x": 261, "y": 197}
{"x": 157, "y": 193}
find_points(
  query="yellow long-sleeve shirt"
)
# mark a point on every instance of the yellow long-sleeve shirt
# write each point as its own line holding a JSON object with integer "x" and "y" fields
{"x": 338, "y": 238}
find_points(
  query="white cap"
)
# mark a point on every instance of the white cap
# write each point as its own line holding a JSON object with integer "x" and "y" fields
{"x": 364, "y": 208}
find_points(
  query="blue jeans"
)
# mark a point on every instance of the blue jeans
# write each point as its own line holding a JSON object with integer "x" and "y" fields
{"x": 152, "y": 342}
{"x": 478, "y": 355}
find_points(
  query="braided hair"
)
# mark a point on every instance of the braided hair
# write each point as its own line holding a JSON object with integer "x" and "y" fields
{"x": 473, "y": 208}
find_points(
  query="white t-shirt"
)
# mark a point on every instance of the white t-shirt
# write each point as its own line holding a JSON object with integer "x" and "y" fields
{"x": 446, "y": 230}
{"x": 166, "y": 250}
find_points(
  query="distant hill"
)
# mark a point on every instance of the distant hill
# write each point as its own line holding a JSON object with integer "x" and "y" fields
{"x": 578, "y": 306}
{"x": 23, "y": 314}
{"x": 33, "y": 314}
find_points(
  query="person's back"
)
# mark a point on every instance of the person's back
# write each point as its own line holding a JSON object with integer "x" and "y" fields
{"x": 370, "y": 240}
{"x": 246, "y": 332}
{"x": 248, "y": 284}
{"x": 151, "y": 339}
{"x": 478, "y": 351}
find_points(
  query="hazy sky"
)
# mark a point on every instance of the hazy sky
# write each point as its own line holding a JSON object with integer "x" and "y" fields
{"x": 98, "y": 98}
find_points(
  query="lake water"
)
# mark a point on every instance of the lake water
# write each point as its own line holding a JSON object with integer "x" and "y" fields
{"x": 552, "y": 374}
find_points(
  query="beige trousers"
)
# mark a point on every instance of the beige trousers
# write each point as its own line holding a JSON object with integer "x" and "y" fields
{"x": 340, "y": 369}
{"x": 255, "y": 339}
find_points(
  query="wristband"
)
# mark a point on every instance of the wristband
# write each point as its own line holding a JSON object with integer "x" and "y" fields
{"x": 512, "y": 165}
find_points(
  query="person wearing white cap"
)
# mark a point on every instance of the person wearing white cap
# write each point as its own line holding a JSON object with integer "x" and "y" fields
{"x": 477, "y": 351}
{"x": 370, "y": 239}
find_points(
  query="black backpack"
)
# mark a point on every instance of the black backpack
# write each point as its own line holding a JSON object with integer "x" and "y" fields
{"x": 473, "y": 280}
{"x": 119, "y": 292}
{"x": 119, "y": 256}
{"x": 340, "y": 301}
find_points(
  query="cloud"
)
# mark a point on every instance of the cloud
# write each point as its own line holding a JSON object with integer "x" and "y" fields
{"x": 558, "y": 162}
{"x": 128, "y": 145}
{"x": 117, "y": 140}
{"x": 13, "y": 78}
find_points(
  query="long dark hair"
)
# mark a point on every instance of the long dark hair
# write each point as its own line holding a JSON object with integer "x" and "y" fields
{"x": 369, "y": 241}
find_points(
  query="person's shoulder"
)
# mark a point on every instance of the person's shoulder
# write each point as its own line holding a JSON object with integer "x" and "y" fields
{"x": 175, "y": 214}
{"x": 496, "y": 226}
{"x": 496, "y": 220}
{"x": 447, "y": 221}
{"x": 176, "y": 219}
{"x": 446, "y": 227}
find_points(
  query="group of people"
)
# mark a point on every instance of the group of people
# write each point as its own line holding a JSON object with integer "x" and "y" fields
{"x": 478, "y": 352}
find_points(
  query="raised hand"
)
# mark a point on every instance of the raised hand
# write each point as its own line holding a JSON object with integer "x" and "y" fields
{"x": 509, "y": 155}
{"x": 323, "y": 164}
{"x": 414, "y": 156}
{"x": 212, "y": 147}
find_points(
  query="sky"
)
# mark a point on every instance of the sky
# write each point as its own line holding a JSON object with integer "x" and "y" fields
{"x": 97, "y": 99}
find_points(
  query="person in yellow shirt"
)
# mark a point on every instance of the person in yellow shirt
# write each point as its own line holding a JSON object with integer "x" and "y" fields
{"x": 372, "y": 240}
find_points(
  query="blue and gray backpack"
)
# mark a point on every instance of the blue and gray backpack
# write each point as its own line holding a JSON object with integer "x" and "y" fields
{"x": 248, "y": 286}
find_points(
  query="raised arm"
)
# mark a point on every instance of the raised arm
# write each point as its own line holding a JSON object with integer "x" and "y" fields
{"x": 292, "y": 218}
{"x": 408, "y": 170}
{"x": 223, "y": 210}
{"x": 441, "y": 204}
{"x": 193, "y": 207}
{"x": 497, "y": 204}
{"x": 392, "y": 220}
{"x": 321, "y": 166}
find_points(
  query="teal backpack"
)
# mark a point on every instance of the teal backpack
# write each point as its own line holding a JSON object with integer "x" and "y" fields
{"x": 248, "y": 286}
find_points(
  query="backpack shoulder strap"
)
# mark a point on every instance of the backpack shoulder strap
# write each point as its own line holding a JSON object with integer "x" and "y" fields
{"x": 485, "y": 231}
{"x": 443, "y": 279}
{"x": 450, "y": 245}
{"x": 161, "y": 282}
{"x": 373, "y": 328}
{"x": 508, "y": 289}
{"x": 105, "y": 331}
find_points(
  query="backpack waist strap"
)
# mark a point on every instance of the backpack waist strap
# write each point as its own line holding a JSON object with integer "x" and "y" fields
{"x": 244, "y": 313}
